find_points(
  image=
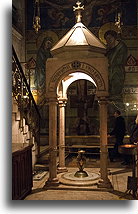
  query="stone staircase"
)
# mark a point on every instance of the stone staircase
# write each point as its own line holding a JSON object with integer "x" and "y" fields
{"x": 20, "y": 131}
{"x": 21, "y": 135}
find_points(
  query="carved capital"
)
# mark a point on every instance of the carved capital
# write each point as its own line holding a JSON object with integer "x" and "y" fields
{"x": 102, "y": 100}
{"x": 62, "y": 102}
{"x": 52, "y": 100}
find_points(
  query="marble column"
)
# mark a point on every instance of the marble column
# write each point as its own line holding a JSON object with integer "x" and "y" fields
{"x": 52, "y": 142}
{"x": 104, "y": 182}
{"x": 61, "y": 105}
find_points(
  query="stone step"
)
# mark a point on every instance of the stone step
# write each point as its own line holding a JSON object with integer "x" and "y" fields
{"x": 44, "y": 150}
{"x": 43, "y": 167}
{"x": 18, "y": 116}
{"x": 44, "y": 139}
{"x": 43, "y": 159}
{"x": 14, "y": 106}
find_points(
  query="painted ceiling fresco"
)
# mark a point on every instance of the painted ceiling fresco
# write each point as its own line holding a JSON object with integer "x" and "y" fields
{"x": 58, "y": 14}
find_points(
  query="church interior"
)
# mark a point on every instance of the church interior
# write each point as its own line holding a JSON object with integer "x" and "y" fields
{"x": 74, "y": 64}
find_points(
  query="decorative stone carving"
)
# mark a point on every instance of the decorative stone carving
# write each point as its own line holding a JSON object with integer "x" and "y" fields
{"x": 83, "y": 67}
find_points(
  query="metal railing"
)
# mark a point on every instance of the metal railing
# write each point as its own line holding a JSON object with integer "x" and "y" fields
{"x": 24, "y": 98}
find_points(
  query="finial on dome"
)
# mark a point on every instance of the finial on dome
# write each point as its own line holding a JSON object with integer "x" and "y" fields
{"x": 78, "y": 11}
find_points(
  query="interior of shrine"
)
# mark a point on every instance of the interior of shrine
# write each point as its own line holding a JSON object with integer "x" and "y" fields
{"x": 74, "y": 63}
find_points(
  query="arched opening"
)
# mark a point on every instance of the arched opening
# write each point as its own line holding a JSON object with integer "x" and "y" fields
{"x": 70, "y": 78}
{"x": 82, "y": 111}
{"x": 82, "y": 123}
{"x": 80, "y": 91}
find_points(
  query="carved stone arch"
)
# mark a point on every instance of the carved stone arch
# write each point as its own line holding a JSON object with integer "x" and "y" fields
{"x": 76, "y": 66}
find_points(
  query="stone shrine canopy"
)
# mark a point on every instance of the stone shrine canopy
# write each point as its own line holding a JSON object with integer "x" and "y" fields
{"x": 79, "y": 35}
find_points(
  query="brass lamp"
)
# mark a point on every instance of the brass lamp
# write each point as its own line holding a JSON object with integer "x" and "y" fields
{"x": 36, "y": 18}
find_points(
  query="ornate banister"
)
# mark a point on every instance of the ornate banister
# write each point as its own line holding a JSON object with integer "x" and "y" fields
{"x": 24, "y": 98}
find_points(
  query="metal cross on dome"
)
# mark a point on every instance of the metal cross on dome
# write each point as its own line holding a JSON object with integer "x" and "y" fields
{"x": 78, "y": 11}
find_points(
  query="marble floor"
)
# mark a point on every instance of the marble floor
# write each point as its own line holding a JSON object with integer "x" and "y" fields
{"x": 118, "y": 175}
